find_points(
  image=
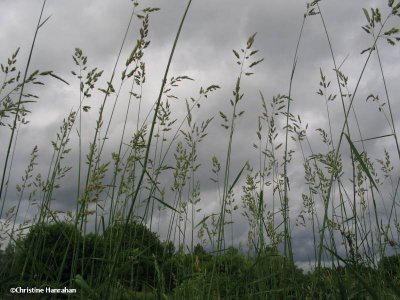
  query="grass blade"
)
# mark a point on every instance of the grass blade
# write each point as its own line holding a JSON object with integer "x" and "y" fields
{"x": 361, "y": 162}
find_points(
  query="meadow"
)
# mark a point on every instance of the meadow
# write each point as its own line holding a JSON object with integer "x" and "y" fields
{"x": 140, "y": 225}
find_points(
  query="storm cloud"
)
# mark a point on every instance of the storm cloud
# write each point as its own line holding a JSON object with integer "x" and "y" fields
{"x": 204, "y": 52}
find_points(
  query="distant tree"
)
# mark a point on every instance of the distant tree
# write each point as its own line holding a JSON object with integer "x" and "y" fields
{"x": 41, "y": 252}
{"x": 169, "y": 249}
{"x": 199, "y": 251}
{"x": 138, "y": 255}
{"x": 92, "y": 256}
{"x": 7, "y": 257}
{"x": 390, "y": 268}
{"x": 276, "y": 273}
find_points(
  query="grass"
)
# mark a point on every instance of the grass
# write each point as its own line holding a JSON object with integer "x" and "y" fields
{"x": 107, "y": 247}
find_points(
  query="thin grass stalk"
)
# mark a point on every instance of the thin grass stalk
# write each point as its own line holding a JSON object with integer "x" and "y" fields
{"x": 25, "y": 184}
{"x": 80, "y": 211}
{"x": 221, "y": 222}
{"x": 81, "y": 97}
{"x": 285, "y": 205}
{"x": 144, "y": 168}
{"x": 324, "y": 224}
{"x": 100, "y": 119}
{"x": 393, "y": 130}
{"x": 344, "y": 111}
{"x": 118, "y": 160}
{"x": 9, "y": 171}
{"x": 312, "y": 210}
{"x": 13, "y": 133}
{"x": 388, "y": 101}
{"x": 92, "y": 148}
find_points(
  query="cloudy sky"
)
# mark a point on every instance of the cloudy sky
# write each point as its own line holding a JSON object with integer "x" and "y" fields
{"x": 204, "y": 53}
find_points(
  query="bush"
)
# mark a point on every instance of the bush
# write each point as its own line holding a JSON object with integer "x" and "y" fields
{"x": 41, "y": 252}
{"x": 138, "y": 255}
{"x": 222, "y": 276}
{"x": 92, "y": 256}
{"x": 7, "y": 257}
{"x": 390, "y": 267}
{"x": 234, "y": 276}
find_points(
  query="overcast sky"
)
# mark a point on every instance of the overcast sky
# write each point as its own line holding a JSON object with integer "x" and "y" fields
{"x": 204, "y": 53}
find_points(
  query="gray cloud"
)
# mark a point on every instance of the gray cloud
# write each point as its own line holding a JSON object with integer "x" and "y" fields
{"x": 212, "y": 30}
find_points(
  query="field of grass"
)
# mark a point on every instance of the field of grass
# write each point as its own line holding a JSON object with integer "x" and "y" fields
{"x": 109, "y": 244}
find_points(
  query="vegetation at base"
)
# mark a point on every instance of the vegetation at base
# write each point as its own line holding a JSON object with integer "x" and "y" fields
{"x": 105, "y": 245}
{"x": 146, "y": 264}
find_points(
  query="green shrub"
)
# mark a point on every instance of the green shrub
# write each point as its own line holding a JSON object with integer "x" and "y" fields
{"x": 140, "y": 250}
{"x": 390, "y": 268}
{"x": 41, "y": 253}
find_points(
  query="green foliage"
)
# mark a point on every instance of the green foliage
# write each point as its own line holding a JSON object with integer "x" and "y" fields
{"x": 342, "y": 194}
{"x": 197, "y": 275}
{"x": 92, "y": 257}
{"x": 40, "y": 254}
{"x": 140, "y": 250}
{"x": 390, "y": 268}
{"x": 273, "y": 275}
{"x": 239, "y": 277}
{"x": 6, "y": 261}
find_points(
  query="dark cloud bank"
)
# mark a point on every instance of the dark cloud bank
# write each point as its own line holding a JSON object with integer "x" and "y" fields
{"x": 212, "y": 30}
